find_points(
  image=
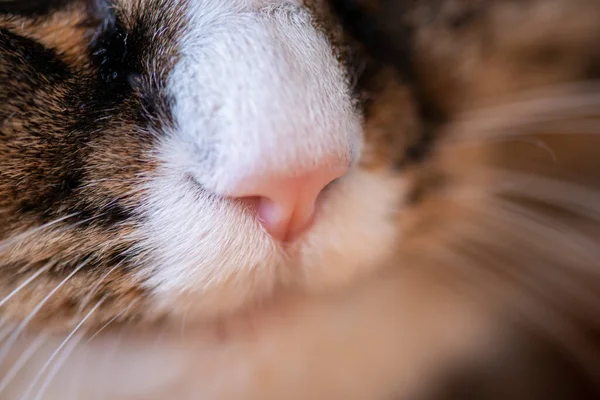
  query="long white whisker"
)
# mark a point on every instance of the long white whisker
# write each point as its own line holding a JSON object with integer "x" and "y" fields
{"x": 555, "y": 233}
{"x": 578, "y": 199}
{"x": 87, "y": 299}
{"x": 5, "y": 331}
{"x": 21, "y": 236}
{"x": 25, "y": 283}
{"x": 535, "y": 229}
{"x": 56, "y": 352}
{"x": 586, "y": 127}
{"x": 68, "y": 350}
{"x": 541, "y": 108}
{"x": 77, "y": 377}
{"x": 21, "y": 361}
{"x": 13, "y": 338}
{"x": 4, "y": 321}
{"x": 107, "y": 324}
{"x": 110, "y": 354}
{"x": 522, "y": 239}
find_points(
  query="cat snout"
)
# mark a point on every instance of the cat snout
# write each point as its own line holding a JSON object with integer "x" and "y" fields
{"x": 265, "y": 117}
{"x": 285, "y": 204}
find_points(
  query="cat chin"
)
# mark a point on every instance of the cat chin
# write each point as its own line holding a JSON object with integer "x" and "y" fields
{"x": 354, "y": 233}
{"x": 353, "y": 344}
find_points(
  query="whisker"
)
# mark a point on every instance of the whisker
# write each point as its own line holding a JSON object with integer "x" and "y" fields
{"x": 108, "y": 323}
{"x": 109, "y": 356}
{"x": 26, "y": 282}
{"x": 538, "y": 237}
{"x": 62, "y": 359}
{"x": 77, "y": 377}
{"x": 13, "y": 338}
{"x": 68, "y": 350}
{"x": 578, "y": 199}
{"x": 586, "y": 127}
{"x": 552, "y": 232}
{"x": 88, "y": 298}
{"x": 3, "y": 320}
{"x": 22, "y": 361}
{"x": 21, "y": 236}
{"x": 4, "y": 332}
{"x": 529, "y": 251}
{"x": 516, "y": 299}
{"x": 539, "y": 107}
{"x": 183, "y": 323}
{"x": 9, "y": 244}
{"x": 97, "y": 182}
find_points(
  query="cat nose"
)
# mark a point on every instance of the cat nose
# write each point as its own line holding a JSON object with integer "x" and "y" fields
{"x": 285, "y": 205}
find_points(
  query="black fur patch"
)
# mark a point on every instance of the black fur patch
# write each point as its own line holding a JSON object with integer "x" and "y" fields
{"x": 31, "y": 7}
{"x": 52, "y": 183}
{"x": 120, "y": 53}
{"x": 60, "y": 109}
{"x": 376, "y": 37}
{"x": 534, "y": 369}
{"x": 114, "y": 56}
{"x": 393, "y": 45}
{"x": 18, "y": 51}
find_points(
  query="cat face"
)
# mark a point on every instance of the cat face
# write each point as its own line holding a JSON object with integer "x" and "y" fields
{"x": 168, "y": 157}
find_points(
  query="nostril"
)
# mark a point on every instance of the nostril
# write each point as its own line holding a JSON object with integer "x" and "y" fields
{"x": 332, "y": 183}
{"x": 281, "y": 222}
{"x": 285, "y": 206}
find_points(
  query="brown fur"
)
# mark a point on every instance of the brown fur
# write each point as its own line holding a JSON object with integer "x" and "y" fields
{"x": 484, "y": 221}
{"x": 43, "y": 153}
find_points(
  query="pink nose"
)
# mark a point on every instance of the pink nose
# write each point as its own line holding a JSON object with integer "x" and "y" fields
{"x": 286, "y": 205}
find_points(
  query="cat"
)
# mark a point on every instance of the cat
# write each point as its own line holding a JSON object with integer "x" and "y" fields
{"x": 267, "y": 199}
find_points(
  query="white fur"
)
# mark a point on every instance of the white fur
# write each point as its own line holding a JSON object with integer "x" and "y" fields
{"x": 257, "y": 84}
{"x": 212, "y": 257}
{"x": 257, "y": 87}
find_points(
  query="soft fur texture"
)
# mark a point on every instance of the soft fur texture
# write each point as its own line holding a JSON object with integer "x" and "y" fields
{"x": 145, "y": 128}
{"x": 461, "y": 247}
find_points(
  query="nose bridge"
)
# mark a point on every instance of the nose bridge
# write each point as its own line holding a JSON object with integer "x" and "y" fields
{"x": 289, "y": 150}
{"x": 264, "y": 94}
{"x": 293, "y": 113}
